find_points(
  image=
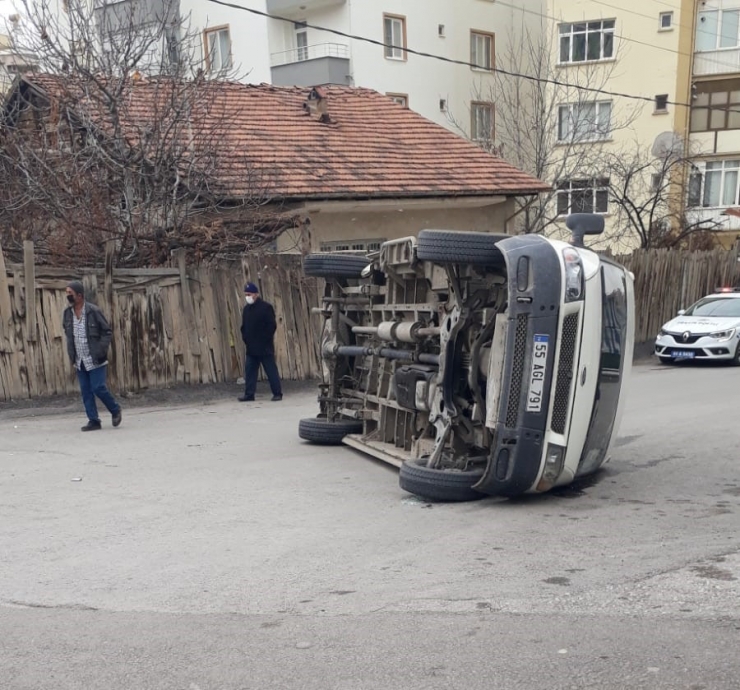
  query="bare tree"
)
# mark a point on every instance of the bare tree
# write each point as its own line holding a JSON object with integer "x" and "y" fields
{"x": 648, "y": 186}
{"x": 122, "y": 137}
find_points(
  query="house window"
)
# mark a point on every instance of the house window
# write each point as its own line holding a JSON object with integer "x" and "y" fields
{"x": 587, "y": 41}
{"x": 400, "y": 98}
{"x": 301, "y": 41}
{"x": 584, "y": 121}
{"x": 352, "y": 246}
{"x": 218, "y": 49}
{"x": 665, "y": 21}
{"x": 583, "y": 196}
{"x": 718, "y": 187}
{"x": 394, "y": 34}
{"x": 716, "y": 106}
{"x": 661, "y": 103}
{"x": 718, "y": 29}
{"x": 481, "y": 122}
{"x": 481, "y": 50}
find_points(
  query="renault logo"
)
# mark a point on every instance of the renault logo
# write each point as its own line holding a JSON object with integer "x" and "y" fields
{"x": 686, "y": 337}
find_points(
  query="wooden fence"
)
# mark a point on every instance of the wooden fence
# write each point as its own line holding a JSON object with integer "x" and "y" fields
{"x": 669, "y": 280}
{"x": 182, "y": 325}
{"x": 170, "y": 325}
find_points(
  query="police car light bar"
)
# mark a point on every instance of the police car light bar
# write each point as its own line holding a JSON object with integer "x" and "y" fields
{"x": 727, "y": 289}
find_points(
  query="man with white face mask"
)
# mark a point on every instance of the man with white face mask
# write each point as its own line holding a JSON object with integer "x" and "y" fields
{"x": 258, "y": 333}
{"x": 88, "y": 337}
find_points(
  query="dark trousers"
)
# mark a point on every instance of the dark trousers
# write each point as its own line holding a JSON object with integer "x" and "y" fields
{"x": 251, "y": 370}
{"x": 92, "y": 384}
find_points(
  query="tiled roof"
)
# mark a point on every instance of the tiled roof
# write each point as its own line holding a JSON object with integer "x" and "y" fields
{"x": 371, "y": 148}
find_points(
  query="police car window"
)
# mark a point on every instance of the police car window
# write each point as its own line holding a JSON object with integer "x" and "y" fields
{"x": 717, "y": 306}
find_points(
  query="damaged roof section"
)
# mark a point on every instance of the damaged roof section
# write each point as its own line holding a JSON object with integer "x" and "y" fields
{"x": 329, "y": 142}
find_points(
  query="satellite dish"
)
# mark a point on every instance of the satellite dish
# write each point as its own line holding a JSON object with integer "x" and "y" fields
{"x": 667, "y": 144}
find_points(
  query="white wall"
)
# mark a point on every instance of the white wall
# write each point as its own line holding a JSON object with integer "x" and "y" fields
{"x": 249, "y": 36}
{"x": 426, "y": 80}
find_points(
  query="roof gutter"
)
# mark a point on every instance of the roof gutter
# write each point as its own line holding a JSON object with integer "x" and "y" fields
{"x": 400, "y": 203}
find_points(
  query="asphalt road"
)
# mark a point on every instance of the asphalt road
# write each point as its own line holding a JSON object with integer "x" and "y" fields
{"x": 206, "y": 548}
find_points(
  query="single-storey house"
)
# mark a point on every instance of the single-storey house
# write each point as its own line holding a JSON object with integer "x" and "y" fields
{"x": 352, "y": 165}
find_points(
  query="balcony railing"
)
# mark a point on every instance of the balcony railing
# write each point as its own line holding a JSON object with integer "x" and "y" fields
{"x": 725, "y": 61}
{"x": 713, "y": 218}
{"x": 314, "y": 52}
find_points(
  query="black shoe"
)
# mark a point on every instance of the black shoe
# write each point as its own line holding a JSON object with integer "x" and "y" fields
{"x": 117, "y": 418}
{"x": 92, "y": 426}
{"x": 277, "y": 398}
{"x": 246, "y": 398}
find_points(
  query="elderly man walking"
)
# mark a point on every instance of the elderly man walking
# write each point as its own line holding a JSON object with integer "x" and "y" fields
{"x": 88, "y": 338}
{"x": 258, "y": 334}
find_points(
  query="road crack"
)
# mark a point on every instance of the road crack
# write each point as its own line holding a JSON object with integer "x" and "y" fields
{"x": 33, "y": 605}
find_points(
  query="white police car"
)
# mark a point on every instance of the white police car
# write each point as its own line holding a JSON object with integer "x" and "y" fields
{"x": 707, "y": 330}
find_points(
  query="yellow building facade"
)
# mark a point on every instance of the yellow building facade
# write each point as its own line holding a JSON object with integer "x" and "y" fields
{"x": 664, "y": 80}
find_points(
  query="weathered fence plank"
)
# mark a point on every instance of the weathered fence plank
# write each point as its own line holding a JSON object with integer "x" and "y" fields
{"x": 29, "y": 277}
{"x": 669, "y": 280}
{"x": 6, "y": 306}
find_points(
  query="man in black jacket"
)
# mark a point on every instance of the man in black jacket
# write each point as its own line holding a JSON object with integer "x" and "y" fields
{"x": 88, "y": 338}
{"x": 258, "y": 332}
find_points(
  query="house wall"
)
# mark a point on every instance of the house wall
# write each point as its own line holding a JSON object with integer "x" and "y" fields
{"x": 328, "y": 226}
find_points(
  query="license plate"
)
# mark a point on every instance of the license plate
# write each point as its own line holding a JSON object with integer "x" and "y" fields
{"x": 682, "y": 354}
{"x": 537, "y": 374}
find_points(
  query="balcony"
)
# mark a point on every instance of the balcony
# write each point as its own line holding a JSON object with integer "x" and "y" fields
{"x": 287, "y": 7}
{"x": 724, "y": 61}
{"x": 323, "y": 63}
{"x": 713, "y": 218}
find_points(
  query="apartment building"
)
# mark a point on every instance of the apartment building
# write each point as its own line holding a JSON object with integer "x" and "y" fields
{"x": 603, "y": 50}
{"x": 712, "y": 34}
{"x": 293, "y": 51}
{"x": 455, "y": 96}
{"x": 683, "y": 59}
